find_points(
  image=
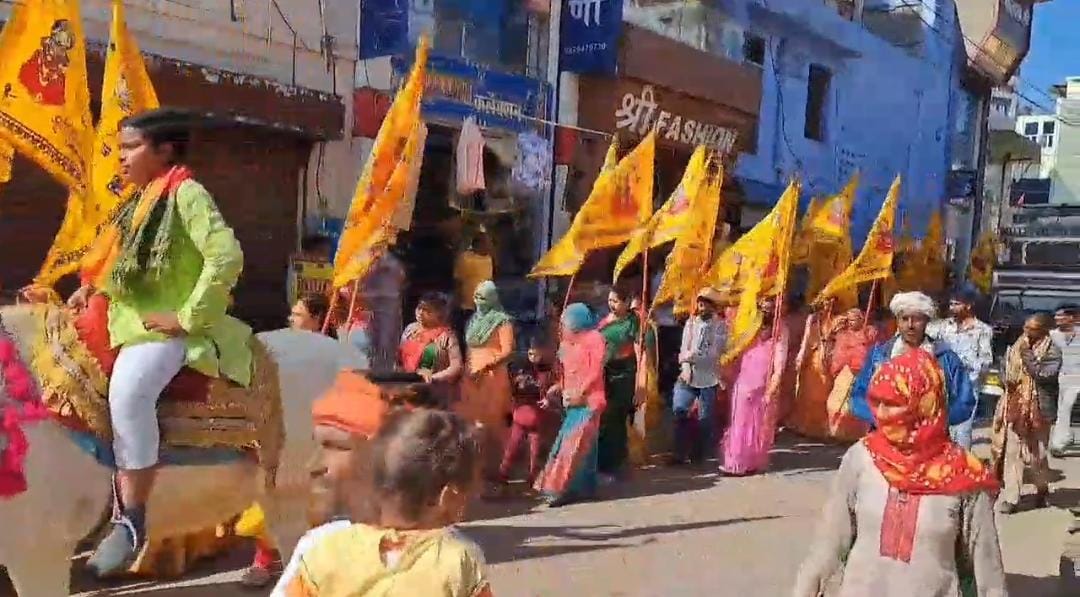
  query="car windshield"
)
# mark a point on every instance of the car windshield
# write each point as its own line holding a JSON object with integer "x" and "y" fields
{"x": 1011, "y": 307}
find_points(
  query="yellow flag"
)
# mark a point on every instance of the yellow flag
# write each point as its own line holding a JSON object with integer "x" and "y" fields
{"x": 933, "y": 255}
{"x": 876, "y": 256}
{"x": 804, "y": 238}
{"x": 126, "y": 90}
{"x": 385, "y": 179}
{"x": 831, "y": 251}
{"x": 7, "y": 157}
{"x": 983, "y": 260}
{"x": 833, "y": 222}
{"x": 619, "y": 204}
{"x": 44, "y": 98}
{"x": 673, "y": 217}
{"x": 688, "y": 262}
{"x": 762, "y": 260}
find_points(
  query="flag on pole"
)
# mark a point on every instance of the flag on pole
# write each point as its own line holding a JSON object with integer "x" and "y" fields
{"x": 983, "y": 260}
{"x": 874, "y": 261}
{"x": 689, "y": 259}
{"x": 44, "y": 97}
{"x": 619, "y": 204}
{"x": 126, "y": 90}
{"x": 932, "y": 255}
{"x": 673, "y": 217}
{"x": 7, "y": 157}
{"x": 804, "y": 238}
{"x": 758, "y": 265}
{"x": 830, "y": 241}
{"x": 385, "y": 179}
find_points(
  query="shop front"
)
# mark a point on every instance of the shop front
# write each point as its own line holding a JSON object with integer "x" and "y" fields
{"x": 683, "y": 105}
{"x": 510, "y": 112}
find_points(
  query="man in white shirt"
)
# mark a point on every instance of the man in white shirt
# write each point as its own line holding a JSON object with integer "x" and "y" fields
{"x": 1068, "y": 340}
{"x": 971, "y": 340}
{"x": 703, "y": 341}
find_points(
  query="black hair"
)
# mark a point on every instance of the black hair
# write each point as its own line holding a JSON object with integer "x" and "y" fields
{"x": 163, "y": 126}
{"x": 1069, "y": 308}
{"x": 417, "y": 454}
{"x": 317, "y": 305}
{"x": 624, "y": 290}
{"x": 435, "y": 299}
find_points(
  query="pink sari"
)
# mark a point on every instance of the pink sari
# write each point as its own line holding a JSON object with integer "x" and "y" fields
{"x": 751, "y": 431}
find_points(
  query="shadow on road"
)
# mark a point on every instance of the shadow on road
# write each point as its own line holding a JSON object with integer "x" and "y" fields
{"x": 1041, "y": 586}
{"x": 502, "y": 543}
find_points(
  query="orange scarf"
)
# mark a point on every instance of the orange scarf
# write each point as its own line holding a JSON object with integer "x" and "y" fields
{"x": 102, "y": 255}
{"x": 911, "y": 445}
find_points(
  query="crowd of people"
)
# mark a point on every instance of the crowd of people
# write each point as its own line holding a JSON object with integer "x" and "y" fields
{"x": 444, "y": 410}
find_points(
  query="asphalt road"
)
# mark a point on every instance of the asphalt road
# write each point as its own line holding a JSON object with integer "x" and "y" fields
{"x": 679, "y": 532}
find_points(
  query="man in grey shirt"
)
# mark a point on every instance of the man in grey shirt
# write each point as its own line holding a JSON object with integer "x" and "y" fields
{"x": 1066, "y": 338}
{"x": 703, "y": 341}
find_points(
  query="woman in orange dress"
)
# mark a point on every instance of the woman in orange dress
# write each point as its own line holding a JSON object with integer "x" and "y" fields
{"x": 485, "y": 391}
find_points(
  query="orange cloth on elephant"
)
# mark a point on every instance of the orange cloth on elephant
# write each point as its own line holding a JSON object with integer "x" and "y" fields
{"x": 911, "y": 445}
{"x": 353, "y": 404}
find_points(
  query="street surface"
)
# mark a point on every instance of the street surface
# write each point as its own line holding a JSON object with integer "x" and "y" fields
{"x": 682, "y": 532}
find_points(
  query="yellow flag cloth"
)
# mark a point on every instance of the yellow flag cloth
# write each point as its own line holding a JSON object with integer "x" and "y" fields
{"x": 45, "y": 101}
{"x": 385, "y": 178}
{"x": 126, "y": 91}
{"x": 673, "y": 217}
{"x": 688, "y": 262}
{"x": 7, "y": 157}
{"x": 763, "y": 262}
{"x": 876, "y": 256}
{"x": 804, "y": 238}
{"x": 833, "y": 222}
{"x": 932, "y": 256}
{"x": 830, "y": 241}
{"x": 619, "y": 204}
{"x": 983, "y": 260}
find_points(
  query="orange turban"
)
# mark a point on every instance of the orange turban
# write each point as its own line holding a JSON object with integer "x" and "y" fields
{"x": 353, "y": 404}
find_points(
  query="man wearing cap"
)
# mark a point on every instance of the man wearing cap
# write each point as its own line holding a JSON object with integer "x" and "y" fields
{"x": 971, "y": 340}
{"x": 703, "y": 340}
{"x": 913, "y": 312}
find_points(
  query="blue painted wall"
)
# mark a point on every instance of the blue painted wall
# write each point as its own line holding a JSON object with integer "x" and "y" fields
{"x": 889, "y": 111}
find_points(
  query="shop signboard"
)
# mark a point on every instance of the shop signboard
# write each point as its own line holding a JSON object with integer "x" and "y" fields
{"x": 997, "y": 34}
{"x": 456, "y": 89}
{"x": 309, "y": 276}
{"x": 589, "y": 36}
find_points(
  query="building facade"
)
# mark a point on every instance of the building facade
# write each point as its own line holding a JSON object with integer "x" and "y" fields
{"x": 275, "y": 81}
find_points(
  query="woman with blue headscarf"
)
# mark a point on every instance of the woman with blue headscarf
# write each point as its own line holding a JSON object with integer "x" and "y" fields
{"x": 570, "y": 473}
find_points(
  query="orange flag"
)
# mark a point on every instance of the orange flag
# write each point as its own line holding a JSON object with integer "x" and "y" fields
{"x": 874, "y": 261}
{"x": 620, "y": 203}
{"x": 386, "y": 178}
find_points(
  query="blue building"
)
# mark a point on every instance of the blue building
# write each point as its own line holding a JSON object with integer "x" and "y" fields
{"x": 884, "y": 87}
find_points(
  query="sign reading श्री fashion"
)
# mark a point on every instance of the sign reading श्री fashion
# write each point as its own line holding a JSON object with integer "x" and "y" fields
{"x": 639, "y": 112}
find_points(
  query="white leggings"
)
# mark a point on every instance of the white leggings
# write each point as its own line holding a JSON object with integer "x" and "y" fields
{"x": 139, "y": 377}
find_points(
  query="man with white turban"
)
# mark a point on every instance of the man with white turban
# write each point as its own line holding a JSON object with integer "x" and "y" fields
{"x": 913, "y": 312}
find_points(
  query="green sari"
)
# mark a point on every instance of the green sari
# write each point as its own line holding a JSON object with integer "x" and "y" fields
{"x": 620, "y": 377}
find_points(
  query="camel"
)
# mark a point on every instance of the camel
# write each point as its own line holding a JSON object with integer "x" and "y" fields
{"x": 68, "y": 490}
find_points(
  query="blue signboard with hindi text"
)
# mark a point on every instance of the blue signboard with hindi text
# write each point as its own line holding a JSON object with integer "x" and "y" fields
{"x": 589, "y": 36}
{"x": 456, "y": 89}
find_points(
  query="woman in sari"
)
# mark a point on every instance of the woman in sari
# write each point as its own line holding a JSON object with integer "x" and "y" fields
{"x": 621, "y": 330}
{"x": 910, "y": 513}
{"x": 570, "y": 473}
{"x": 485, "y": 391}
{"x": 750, "y": 434}
{"x": 830, "y": 347}
{"x": 429, "y": 347}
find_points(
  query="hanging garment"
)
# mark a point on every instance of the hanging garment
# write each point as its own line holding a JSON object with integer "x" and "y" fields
{"x": 533, "y": 166}
{"x": 470, "y": 158}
